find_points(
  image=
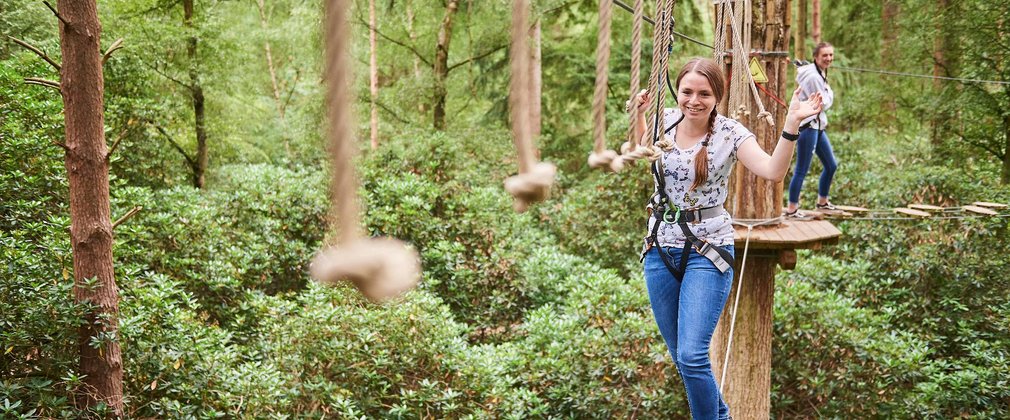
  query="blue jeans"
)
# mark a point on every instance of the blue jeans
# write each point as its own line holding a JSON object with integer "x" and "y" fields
{"x": 812, "y": 141}
{"x": 687, "y": 313}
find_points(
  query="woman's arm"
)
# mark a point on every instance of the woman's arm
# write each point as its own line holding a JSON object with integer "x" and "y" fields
{"x": 774, "y": 167}
{"x": 640, "y": 126}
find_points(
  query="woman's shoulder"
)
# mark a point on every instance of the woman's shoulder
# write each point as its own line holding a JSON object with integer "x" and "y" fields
{"x": 731, "y": 130}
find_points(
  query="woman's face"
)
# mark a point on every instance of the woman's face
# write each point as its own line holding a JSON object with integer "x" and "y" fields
{"x": 695, "y": 97}
{"x": 824, "y": 57}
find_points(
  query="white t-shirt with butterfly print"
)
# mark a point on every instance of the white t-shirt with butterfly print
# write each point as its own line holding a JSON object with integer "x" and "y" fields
{"x": 678, "y": 167}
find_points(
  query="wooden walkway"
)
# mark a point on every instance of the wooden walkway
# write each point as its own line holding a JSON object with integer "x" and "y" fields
{"x": 790, "y": 234}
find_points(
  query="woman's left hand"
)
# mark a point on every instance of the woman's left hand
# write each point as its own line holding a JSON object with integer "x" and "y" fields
{"x": 799, "y": 110}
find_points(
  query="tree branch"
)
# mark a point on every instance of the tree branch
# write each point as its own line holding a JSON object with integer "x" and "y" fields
{"x": 112, "y": 48}
{"x": 981, "y": 146}
{"x": 129, "y": 214}
{"x": 56, "y": 13}
{"x": 119, "y": 138}
{"x": 475, "y": 58}
{"x": 43, "y": 82}
{"x": 391, "y": 112}
{"x": 37, "y": 51}
{"x": 412, "y": 49}
{"x": 181, "y": 83}
{"x": 176, "y": 145}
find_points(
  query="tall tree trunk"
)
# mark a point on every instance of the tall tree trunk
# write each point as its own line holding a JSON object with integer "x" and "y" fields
{"x": 889, "y": 55}
{"x": 936, "y": 122}
{"x": 276, "y": 89}
{"x": 536, "y": 82}
{"x": 200, "y": 167}
{"x": 373, "y": 74}
{"x": 441, "y": 65}
{"x": 1004, "y": 178}
{"x": 801, "y": 29}
{"x": 815, "y": 18}
{"x": 83, "y": 87}
{"x": 422, "y": 107}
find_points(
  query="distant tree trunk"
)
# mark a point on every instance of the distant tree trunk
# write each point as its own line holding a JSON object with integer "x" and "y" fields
{"x": 537, "y": 83}
{"x": 200, "y": 167}
{"x": 276, "y": 89}
{"x": 1004, "y": 178}
{"x": 441, "y": 65}
{"x": 889, "y": 54}
{"x": 801, "y": 29}
{"x": 936, "y": 122}
{"x": 422, "y": 107}
{"x": 815, "y": 17}
{"x": 83, "y": 87}
{"x": 373, "y": 73}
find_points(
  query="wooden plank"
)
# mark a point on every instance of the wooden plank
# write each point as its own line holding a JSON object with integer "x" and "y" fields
{"x": 852, "y": 209}
{"x": 990, "y": 205}
{"x": 925, "y": 207}
{"x": 911, "y": 212}
{"x": 981, "y": 210}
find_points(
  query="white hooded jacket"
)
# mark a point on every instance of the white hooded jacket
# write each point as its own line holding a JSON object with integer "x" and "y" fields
{"x": 810, "y": 80}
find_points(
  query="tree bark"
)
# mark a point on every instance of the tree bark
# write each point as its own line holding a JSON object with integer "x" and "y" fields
{"x": 1004, "y": 178}
{"x": 801, "y": 30}
{"x": 441, "y": 64}
{"x": 373, "y": 74}
{"x": 196, "y": 90}
{"x": 889, "y": 54}
{"x": 939, "y": 64}
{"x": 83, "y": 88}
{"x": 815, "y": 18}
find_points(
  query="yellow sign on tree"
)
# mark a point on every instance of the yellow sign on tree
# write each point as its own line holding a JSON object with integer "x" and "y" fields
{"x": 757, "y": 71}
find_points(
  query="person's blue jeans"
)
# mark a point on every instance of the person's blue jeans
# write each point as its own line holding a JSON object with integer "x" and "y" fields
{"x": 687, "y": 313}
{"x": 812, "y": 141}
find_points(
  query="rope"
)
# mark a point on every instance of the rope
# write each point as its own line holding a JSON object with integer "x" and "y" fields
{"x": 534, "y": 180}
{"x": 922, "y": 76}
{"x": 600, "y": 157}
{"x": 741, "y": 71}
{"x": 651, "y": 22}
{"x": 380, "y": 268}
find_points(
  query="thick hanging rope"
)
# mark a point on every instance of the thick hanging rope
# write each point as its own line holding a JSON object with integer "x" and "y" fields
{"x": 741, "y": 77}
{"x": 601, "y": 157}
{"x": 633, "y": 149}
{"x": 380, "y": 268}
{"x": 534, "y": 180}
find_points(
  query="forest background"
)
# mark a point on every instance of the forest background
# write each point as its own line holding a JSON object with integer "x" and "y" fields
{"x": 540, "y": 314}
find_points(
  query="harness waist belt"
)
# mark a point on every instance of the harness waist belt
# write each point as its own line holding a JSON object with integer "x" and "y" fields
{"x": 668, "y": 215}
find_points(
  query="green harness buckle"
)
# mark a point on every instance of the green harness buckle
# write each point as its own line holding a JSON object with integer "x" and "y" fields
{"x": 676, "y": 216}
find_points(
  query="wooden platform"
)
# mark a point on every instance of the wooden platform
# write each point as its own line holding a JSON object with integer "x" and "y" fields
{"x": 790, "y": 234}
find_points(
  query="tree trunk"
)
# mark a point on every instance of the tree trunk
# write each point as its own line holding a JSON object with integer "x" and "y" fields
{"x": 83, "y": 87}
{"x": 276, "y": 89}
{"x": 936, "y": 122}
{"x": 815, "y": 17}
{"x": 422, "y": 107}
{"x": 889, "y": 55}
{"x": 441, "y": 65}
{"x": 536, "y": 81}
{"x": 196, "y": 90}
{"x": 1004, "y": 178}
{"x": 801, "y": 30}
{"x": 373, "y": 74}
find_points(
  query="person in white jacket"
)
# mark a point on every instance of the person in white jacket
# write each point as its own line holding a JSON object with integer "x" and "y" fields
{"x": 813, "y": 78}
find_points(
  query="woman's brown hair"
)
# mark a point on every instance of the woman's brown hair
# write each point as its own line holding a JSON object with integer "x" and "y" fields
{"x": 711, "y": 71}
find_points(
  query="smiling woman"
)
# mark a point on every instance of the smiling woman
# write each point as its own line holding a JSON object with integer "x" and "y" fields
{"x": 688, "y": 268}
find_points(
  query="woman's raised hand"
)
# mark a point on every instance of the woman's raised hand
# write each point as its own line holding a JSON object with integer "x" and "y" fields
{"x": 641, "y": 102}
{"x": 799, "y": 110}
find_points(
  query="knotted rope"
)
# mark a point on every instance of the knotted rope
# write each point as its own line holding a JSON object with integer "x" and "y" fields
{"x": 601, "y": 157}
{"x": 741, "y": 77}
{"x": 381, "y": 268}
{"x": 632, "y": 150}
{"x": 534, "y": 180}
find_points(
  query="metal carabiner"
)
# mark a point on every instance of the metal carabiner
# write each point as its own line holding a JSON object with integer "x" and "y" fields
{"x": 676, "y": 216}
